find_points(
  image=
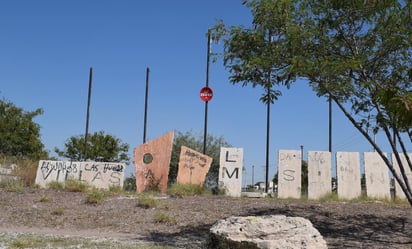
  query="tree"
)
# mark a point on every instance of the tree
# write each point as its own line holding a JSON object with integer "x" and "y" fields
{"x": 188, "y": 139}
{"x": 254, "y": 56}
{"x": 19, "y": 134}
{"x": 358, "y": 53}
{"x": 100, "y": 148}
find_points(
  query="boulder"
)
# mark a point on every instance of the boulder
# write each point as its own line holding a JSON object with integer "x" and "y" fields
{"x": 272, "y": 231}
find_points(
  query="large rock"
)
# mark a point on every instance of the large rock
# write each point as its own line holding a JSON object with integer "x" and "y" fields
{"x": 273, "y": 231}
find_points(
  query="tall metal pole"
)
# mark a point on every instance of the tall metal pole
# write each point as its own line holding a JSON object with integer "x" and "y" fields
{"x": 88, "y": 113}
{"x": 253, "y": 175}
{"x": 330, "y": 123}
{"x": 145, "y": 105}
{"x": 207, "y": 84}
{"x": 267, "y": 136}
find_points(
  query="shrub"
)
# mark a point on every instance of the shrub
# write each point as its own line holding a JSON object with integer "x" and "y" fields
{"x": 12, "y": 185}
{"x": 185, "y": 190}
{"x": 55, "y": 185}
{"x": 75, "y": 185}
{"x": 115, "y": 189}
{"x": 95, "y": 196}
{"x": 44, "y": 198}
{"x": 26, "y": 171}
{"x": 129, "y": 183}
{"x": 147, "y": 201}
{"x": 162, "y": 217}
{"x": 57, "y": 211}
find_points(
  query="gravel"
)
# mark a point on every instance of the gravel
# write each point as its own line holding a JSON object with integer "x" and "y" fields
{"x": 185, "y": 222}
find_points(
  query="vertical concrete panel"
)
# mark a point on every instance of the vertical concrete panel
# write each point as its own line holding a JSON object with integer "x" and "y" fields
{"x": 102, "y": 174}
{"x": 152, "y": 161}
{"x": 348, "y": 175}
{"x": 289, "y": 175}
{"x": 96, "y": 174}
{"x": 230, "y": 171}
{"x": 398, "y": 190}
{"x": 56, "y": 171}
{"x": 193, "y": 166}
{"x": 319, "y": 174}
{"x": 376, "y": 176}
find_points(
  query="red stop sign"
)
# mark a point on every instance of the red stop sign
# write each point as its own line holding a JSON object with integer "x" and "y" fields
{"x": 206, "y": 93}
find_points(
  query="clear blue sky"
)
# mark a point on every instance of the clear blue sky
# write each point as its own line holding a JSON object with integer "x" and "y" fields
{"x": 48, "y": 46}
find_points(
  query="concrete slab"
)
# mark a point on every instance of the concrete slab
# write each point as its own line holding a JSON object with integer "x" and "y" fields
{"x": 152, "y": 161}
{"x": 348, "y": 175}
{"x": 289, "y": 177}
{"x": 319, "y": 174}
{"x": 193, "y": 166}
{"x": 376, "y": 176}
{"x": 230, "y": 171}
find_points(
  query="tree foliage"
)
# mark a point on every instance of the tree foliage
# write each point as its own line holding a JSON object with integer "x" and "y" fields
{"x": 194, "y": 142}
{"x": 255, "y": 55}
{"x": 358, "y": 53}
{"x": 101, "y": 147}
{"x": 19, "y": 134}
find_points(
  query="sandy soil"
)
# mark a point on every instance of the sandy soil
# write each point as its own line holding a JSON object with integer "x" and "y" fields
{"x": 343, "y": 225}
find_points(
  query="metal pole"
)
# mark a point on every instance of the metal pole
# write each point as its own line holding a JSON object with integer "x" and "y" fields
{"x": 145, "y": 105}
{"x": 253, "y": 175}
{"x": 301, "y": 153}
{"x": 267, "y": 138}
{"x": 88, "y": 114}
{"x": 330, "y": 123}
{"x": 207, "y": 84}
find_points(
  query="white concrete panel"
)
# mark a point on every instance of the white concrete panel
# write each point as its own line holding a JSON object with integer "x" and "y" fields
{"x": 319, "y": 174}
{"x": 289, "y": 174}
{"x": 398, "y": 190}
{"x": 56, "y": 171}
{"x": 376, "y": 176}
{"x": 230, "y": 171}
{"x": 96, "y": 174}
{"x": 102, "y": 174}
{"x": 348, "y": 175}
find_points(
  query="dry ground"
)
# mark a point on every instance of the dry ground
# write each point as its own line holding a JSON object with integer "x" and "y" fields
{"x": 343, "y": 225}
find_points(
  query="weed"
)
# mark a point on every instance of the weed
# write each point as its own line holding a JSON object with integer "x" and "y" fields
{"x": 55, "y": 185}
{"x": 35, "y": 241}
{"x": 329, "y": 197}
{"x": 44, "y": 198}
{"x": 147, "y": 201}
{"x": 185, "y": 190}
{"x": 75, "y": 186}
{"x": 26, "y": 171}
{"x": 57, "y": 211}
{"x": 162, "y": 217}
{"x": 12, "y": 185}
{"x": 115, "y": 189}
{"x": 95, "y": 196}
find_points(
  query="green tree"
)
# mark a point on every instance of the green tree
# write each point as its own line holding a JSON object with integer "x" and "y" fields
{"x": 101, "y": 147}
{"x": 194, "y": 142}
{"x": 255, "y": 56}
{"x": 19, "y": 134}
{"x": 357, "y": 53}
